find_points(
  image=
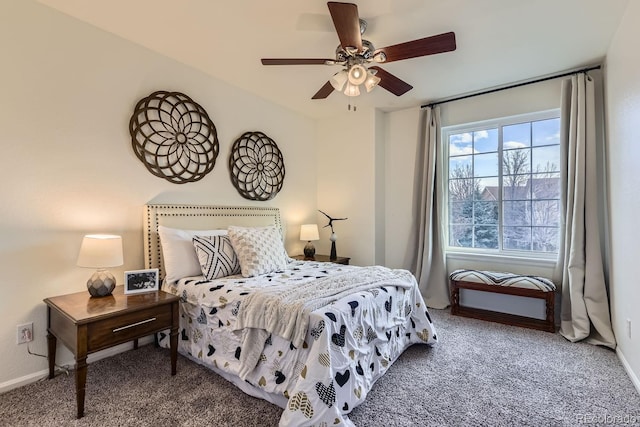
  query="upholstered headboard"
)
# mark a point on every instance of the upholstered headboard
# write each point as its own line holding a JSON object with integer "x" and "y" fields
{"x": 194, "y": 217}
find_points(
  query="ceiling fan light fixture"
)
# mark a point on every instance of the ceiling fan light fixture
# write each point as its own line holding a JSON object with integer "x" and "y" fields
{"x": 371, "y": 82}
{"x": 379, "y": 57}
{"x": 357, "y": 74}
{"x": 351, "y": 90}
{"x": 339, "y": 79}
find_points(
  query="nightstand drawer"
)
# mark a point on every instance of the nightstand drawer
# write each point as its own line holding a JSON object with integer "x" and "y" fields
{"x": 116, "y": 330}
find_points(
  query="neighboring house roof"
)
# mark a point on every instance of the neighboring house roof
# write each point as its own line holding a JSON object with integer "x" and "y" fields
{"x": 490, "y": 193}
{"x": 539, "y": 188}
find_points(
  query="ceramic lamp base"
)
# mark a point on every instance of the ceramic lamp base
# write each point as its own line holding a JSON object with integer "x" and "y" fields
{"x": 309, "y": 251}
{"x": 101, "y": 283}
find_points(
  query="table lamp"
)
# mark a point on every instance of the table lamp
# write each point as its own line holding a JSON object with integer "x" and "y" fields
{"x": 101, "y": 251}
{"x": 309, "y": 232}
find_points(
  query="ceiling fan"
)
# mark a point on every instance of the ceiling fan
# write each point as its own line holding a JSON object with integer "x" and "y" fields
{"x": 355, "y": 54}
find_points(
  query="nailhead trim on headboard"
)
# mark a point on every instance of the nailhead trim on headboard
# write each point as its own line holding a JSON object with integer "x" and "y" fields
{"x": 179, "y": 215}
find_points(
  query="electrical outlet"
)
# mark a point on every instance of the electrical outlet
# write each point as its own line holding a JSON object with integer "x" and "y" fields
{"x": 24, "y": 333}
{"x": 629, "y": 328}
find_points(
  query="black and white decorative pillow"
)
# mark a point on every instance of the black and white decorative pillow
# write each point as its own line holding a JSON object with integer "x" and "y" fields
{"x": 216, "y": 256}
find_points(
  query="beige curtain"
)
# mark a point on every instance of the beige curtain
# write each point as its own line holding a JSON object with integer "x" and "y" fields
{"x": 585, "y": 304}
{"x": 429, "y": 263}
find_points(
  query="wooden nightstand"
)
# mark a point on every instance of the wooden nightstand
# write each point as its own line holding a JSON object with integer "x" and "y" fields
{"x": 86, "y": 325}
{"x": 325, "y": 258}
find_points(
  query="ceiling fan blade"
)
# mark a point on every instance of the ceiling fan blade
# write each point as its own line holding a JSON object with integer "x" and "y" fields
{"x": 347, "y": 22}
{"x": 391, "y": 83}
{"x": 445, "y": 42}
{"x": 323, "y": 92}
{"x": 295, "y": 61}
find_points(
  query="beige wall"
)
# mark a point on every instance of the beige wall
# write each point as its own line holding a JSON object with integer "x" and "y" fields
{"x": 623, "y": 110}
{"x": 401, "y": 139}
{"x": 67, "y": 167}
{"x": 347, "y": 185}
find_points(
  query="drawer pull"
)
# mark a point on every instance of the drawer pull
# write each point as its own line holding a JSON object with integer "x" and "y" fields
{"x": 134, "y": 324}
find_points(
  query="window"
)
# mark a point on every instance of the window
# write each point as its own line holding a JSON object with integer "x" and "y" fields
{"x": 504, "y": 184}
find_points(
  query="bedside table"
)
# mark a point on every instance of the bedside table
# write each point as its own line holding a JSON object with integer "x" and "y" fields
{"x": 324, "y": 258}
{"x": 86, "y": 325}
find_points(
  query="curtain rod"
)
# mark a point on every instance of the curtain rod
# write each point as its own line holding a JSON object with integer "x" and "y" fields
{"x": 512, "y": 86}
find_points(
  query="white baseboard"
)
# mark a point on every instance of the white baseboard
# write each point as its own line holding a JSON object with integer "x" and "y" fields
{"x": 36, "y": 376}
{"x": 27, "y": 379}
{"x": 627, "y": 367}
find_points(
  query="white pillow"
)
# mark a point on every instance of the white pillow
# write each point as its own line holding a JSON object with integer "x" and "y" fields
{"x": 259, "y": 249}
{"x": 216, "y": 256}
{"x": 178, "y": 253}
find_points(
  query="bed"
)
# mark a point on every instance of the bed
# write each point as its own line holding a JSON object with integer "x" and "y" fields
{"x": 310, "y": 337}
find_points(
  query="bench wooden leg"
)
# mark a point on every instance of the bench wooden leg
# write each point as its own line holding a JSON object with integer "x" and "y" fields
{"x": 455, "y": 298}
{"x": 551, "y": 311}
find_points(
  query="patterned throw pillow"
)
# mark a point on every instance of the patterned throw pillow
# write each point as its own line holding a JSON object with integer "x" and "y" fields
{"x": 259, "y": 249}
{"x": 216, "y": 256}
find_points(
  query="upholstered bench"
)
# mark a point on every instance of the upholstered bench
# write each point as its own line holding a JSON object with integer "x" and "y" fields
{"x": 504, "y": 283}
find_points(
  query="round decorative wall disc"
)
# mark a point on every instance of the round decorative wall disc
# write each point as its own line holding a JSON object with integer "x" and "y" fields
{"x": 256, "y": 166}
{"x": 173, "y": 137}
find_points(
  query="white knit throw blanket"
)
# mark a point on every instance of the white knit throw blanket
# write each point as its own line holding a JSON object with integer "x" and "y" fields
{"x": 284, "y": 310}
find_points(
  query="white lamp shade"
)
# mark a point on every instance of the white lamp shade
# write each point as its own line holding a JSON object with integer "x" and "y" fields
{"x": 357, "y": 74}
{"x": 380, "y": 57}
{"x": 338, "y": 80}
{"x": 371, "y": 82}
{"x": 100, "y": 251}
{"x": 351, "y": 90}
{"x": 309, "y": 232}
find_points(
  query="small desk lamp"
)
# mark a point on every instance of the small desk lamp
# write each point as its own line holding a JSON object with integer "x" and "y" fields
{"x": 309, "y": 232}
{"x": 101, "y": 251}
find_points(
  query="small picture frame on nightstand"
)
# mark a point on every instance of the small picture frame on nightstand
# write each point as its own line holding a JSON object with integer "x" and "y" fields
{"x": 139, "y": 281}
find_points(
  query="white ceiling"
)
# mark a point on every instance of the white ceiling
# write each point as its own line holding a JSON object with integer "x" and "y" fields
{"x": 498, "y": 42}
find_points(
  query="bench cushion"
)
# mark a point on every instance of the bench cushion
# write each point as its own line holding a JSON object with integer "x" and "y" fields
{"x": 503, "y": 279}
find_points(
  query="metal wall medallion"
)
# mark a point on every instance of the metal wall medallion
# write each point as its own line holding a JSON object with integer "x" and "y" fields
{"x": 173, "y": 137}
{"x": 256, "y": 166}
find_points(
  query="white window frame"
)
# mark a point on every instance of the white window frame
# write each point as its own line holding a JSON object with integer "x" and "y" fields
{"x": 463, "y": 253}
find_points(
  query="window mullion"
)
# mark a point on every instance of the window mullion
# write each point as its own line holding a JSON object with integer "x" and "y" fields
{"x": 530, "y": 192}
{"x": 473, "y": 196}
{"x": 500, "y": 180}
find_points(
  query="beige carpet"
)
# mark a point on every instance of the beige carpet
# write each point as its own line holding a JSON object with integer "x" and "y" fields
{"x": 479, "y": 374}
